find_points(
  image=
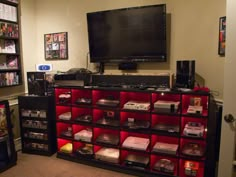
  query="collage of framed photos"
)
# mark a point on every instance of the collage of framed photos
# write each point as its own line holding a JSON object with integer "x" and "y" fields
{"x": 56, "y": 46}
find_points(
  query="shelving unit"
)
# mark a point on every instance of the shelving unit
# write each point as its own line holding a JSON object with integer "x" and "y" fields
{"x": 112, "y": 125}
{"x": 8, "y": 155}
{"x": 37, "y": 124}
{"x": 10, "y": 57}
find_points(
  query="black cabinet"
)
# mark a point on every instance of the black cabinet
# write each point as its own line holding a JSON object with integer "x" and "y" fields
{"x": 142, "y": 132}
{"x": 37, "y": 124}
{"x": 8, "y": 155}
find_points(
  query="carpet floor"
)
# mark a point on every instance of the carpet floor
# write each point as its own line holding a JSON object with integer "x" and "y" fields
{"x": 43, "y": 166}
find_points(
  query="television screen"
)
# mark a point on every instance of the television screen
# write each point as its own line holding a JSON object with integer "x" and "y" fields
{"x": 134, "y": 34}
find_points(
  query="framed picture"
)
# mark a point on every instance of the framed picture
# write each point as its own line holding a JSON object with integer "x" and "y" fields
{"x": 56, "y": 46}
{"x": 222, "y": 35}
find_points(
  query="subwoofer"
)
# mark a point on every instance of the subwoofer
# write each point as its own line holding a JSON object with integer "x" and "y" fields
{"x": 185, "y": 74}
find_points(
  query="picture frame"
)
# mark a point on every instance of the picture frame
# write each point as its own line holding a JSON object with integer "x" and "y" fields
{"x": 222, "y": 36}
{"x": 56, "y": 46}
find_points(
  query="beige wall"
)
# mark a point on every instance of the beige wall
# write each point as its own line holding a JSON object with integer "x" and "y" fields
{"x": 193, "y": 34}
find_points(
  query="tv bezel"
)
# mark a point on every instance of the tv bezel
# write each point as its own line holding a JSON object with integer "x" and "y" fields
{"x": 130, "y": 59}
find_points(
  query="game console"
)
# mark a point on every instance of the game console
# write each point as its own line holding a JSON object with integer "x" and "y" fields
{"x": 136, "y": 143}
{"x": 65, "y": 116}
{"x": 109, "y": 121}
{"x": 35, "y": 135}
{"x": 85, "y": 101}
{"x": 191, "y": 168}
{"x": 108, "y": 154}
{"x": 64, "y": 98}
{"x": 169, "y": 128}
{"x": 166, "y": 148}
{"x": 106, "y": 138}
{"x": 85, "y": 151}
{"x": 84, "y": 118}
{"x": 67, "y": 148}
{"x": 84, "y": 135}
{"x": 34, "y": 113}
{"x": 164, "y": 166}
{"x": 108, "y": 102}
{"x": 193, "y": 149}
{"x": 136, "y": 161}
{"x": 136, "y": 124}
{"x": 34, "y": 124}
{"x": 68, "y": 133}
{"x": 194, "y": 129}
{"x": 137, "y": 105}
{"x": 166, "y": 106}
{"x": 194, "y": 109}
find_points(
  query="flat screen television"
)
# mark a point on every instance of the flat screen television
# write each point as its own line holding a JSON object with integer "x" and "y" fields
{"x": 136, "y": 34}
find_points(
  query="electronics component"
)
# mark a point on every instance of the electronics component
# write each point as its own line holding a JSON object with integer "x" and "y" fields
{"x": 166, "y": 148}
{"x": 137, "y": 161}
{"x": 193, "y": 149}
{"x": 108, "y": 102}
{"x": 83, "y": 101}
{"x": 108, "y": 154}
{"x": 194, "y": 109}
{"x": 37, "y": 146}
{"x": 194, "y": 129}
{"x": 34, "y": 124}
{"x": 65, "y": 116}
{"x": 67, "y": 148}
{"x": 109, "y": 121}
{"x": 84, "y": 135}
{"x": 25, "y": 113}
{"x": 137, "y": 124}
{"x": 137, "y": 105}
{"x": 191, "y": 168}
{"x": 166, "y": 106}
{"x": 34, "y": 113}
{"x": 84, "y": 118}
{"x": 36, "y": 135}
{"x": 86, "y": 150}
{"x": 68, "y": 133}
{"x": 106, "y": 138}
{"x": 165, "y": 166}
{"x": 64, "y": 97}
{"x": 170, "y": 128}
{"x": 137, "y": 143}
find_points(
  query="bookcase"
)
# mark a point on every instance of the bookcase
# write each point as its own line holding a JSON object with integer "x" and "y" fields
{"x": 10, "y": 57}
{"x": 37, "y": 124}
{"x": 141, "y": 132}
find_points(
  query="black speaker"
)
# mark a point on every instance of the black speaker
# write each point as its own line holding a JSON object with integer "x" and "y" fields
{"x": 185, "y": 74}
